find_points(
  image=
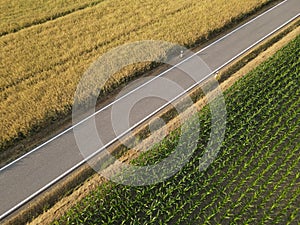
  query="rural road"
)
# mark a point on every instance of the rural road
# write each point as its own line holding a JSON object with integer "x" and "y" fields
{"x": 29, "y": 175}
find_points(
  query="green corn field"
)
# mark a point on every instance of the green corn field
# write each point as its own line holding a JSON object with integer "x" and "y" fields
{"x": 255, "y": 178}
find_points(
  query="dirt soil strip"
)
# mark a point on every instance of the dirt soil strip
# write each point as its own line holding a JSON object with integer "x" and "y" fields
{"x": 94, "y": 181}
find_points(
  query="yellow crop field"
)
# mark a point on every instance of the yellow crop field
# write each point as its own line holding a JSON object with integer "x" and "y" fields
{"x": 18, "y": 14}
{"x": 40, "y": 66}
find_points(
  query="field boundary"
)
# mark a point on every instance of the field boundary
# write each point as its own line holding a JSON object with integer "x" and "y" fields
{"x": 38, "y": 206}
{"x": 51, "y": 18}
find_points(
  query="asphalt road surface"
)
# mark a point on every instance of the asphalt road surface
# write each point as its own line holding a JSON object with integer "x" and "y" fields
{"x": 29, "y": 175}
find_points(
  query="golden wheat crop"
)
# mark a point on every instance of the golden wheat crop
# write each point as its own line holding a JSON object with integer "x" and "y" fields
{"x": 41, "y": 65}
{"x": 18, "y": 14}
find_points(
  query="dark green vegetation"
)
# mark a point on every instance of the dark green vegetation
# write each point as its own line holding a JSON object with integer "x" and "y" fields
{"x": 255, "y": 178}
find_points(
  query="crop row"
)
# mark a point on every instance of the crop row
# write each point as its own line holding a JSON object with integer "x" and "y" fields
{"x": 244, "y": 162}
